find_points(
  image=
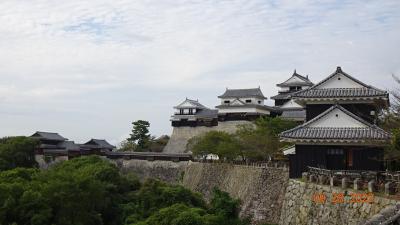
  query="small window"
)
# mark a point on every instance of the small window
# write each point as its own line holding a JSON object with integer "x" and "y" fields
{"x": 259, "y": 102}
{"x": 339, "y": 78}
{"x": 227, "y": 101}
{"x": 248, "y": 100}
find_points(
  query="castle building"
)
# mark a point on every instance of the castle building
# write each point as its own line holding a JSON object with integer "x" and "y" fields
{"x": 55, "y": 145}
{"x": 340, "y": 132}
{"x": 96, "y": 146}
{"x": 286, "y": 106}
{"x": 192, "y": 113}
{"x": 295, "y": 83}
{"x": 243, "y": 104}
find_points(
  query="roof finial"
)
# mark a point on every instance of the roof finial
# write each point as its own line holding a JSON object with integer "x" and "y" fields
{"x": 338, "y": 69}
{"x": 186, "y": 98}
{"x": 259, "y": 87}
{"x": 226, "y": 88}
{"x": 294, "y": 72}
{"x": 307, "y": 76}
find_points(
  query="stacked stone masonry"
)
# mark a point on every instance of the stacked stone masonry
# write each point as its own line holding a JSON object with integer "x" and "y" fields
{"x": 300, "y": 209}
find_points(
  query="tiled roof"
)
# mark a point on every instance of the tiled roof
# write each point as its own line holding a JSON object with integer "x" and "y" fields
{"x": 338, "y": 134}
{"x": 340, "y": 92}
{"x": 305, "y": 81}
{"x": 242, "y": 93}
{"x": 207, "y": 113}
{"x": 366, "y": 91}
{"x": 195, "y": 103}
{"x": 69, "y": 145}
{"x": 100, "y": 143}
{"x": 48, "y": 136}
{"x": 282, "y": 96}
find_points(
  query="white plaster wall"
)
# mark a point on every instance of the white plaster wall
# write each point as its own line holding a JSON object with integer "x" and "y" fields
{"x": 344, "y": 82}
{"x": 253, "y": 100}
{"x": 291, "y": 104}
{"x": 342, "y": 120}
{"x": 243, "y": 109}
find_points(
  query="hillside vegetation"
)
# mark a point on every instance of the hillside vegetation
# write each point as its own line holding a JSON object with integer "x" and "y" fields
{"x": 90, "y": 190}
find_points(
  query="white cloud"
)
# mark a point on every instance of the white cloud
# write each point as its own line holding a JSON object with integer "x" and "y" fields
{"x": 87, "y": 68}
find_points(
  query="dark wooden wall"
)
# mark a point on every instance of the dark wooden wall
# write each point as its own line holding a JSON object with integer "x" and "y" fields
{"x": 186, "y": 123}
{"x": 364, "y": 158}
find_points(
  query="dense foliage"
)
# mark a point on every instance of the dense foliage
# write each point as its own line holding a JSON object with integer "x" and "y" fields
{"x": 141, "y": 141}
{"x": 391, "y": 122}
{"x": 17, "y": 152}
{"x": 140, "y": 134}
{"x": 90, "y": 190}
{"x": 258, "y": 141}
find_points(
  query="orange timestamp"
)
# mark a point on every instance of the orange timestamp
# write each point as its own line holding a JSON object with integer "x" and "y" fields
{"x": 342, "y": 198}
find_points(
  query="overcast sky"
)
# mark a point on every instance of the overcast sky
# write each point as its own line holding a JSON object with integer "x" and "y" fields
{"x": 88, "y": 68}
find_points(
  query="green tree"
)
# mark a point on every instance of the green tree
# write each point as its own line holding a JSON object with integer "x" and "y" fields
{"x": 127, "y": 146}
{"x": 221, "y": 143}
{"x": 17, "y": 152}
{"x": 261, "y": 140}
{"x": 91, "y": 191}
{"x": 140, "y": 134}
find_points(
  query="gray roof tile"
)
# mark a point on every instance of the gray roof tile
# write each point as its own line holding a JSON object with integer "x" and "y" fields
{"x": 196, "y": 103}
{"x": 100, "y": 143}
{"x": 242, "y": 93}
{"x": 303, "y": 132}
{"x": 305, "y": 81}
{"x": 48, "y": 136}
{"x": 316, "y": 92}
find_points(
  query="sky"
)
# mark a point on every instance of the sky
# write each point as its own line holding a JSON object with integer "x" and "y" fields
{"x": 88, "y": 68}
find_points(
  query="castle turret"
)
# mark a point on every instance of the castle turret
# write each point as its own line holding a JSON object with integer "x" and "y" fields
{"x": 295, "y": 83}
{"x": 193, "y": 113}
{"x": 242, "y": 104}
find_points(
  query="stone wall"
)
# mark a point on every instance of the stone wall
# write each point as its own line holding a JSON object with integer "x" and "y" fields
{"x": 171, "y": 172}
{"x": 300, "y": 209}
{"x": 181, "y": 135}
{"x": 261, "y": 190}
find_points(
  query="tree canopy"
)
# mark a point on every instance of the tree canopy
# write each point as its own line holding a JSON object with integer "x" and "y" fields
{"x": 17, "y": 152}
{"x": 257, "y": 141}
{"x": 220, "y": 143}
{"x": 91, "y": 191}
{"x": 140, "y": 134}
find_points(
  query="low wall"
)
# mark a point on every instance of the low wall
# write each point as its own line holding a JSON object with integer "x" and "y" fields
{"x": 300, "y": 209}
{"x": 181, "y": 135}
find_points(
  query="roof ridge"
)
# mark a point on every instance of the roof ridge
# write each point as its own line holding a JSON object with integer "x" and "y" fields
{"x": 243, "y": 88}
{"x": 339, "y": 70}
{"x": 295, "y": 74}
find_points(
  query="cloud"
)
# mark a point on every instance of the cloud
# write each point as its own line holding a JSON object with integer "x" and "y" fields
{"x": 88, "y": 68}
